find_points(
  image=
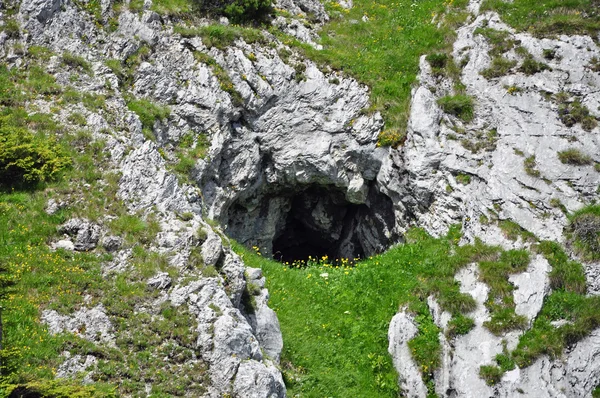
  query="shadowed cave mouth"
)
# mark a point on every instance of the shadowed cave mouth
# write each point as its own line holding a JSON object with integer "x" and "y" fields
{"x": 315, "y": 221}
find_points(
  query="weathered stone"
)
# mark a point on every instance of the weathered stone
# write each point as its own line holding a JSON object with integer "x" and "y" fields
{"x": 402, "y": 329}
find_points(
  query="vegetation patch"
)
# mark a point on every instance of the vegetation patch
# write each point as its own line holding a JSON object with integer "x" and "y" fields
{"x": 335, "y": 328}
{"x": 500, "y": 300}
{"x": 75, "y": 61}
{"x": 530, "y": 66}
{"x": 458, "y": 105}
{"x": 222, "y": 36}
{"x": 584, "y": 232}
{"x": 500, "y": 67}
{"x": 548, "y": 18}
{"x": 573, "y": 112}
{"x": 530, "y": 166}
{"x": 574, "y": 156}
{"x": 148, "y": 113}
{"x": 498, "y": 40}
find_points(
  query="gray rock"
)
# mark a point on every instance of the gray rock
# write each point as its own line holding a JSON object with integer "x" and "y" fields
{"x": 256, "y": 380}
{"x": 111, "y": 243}
{"x": 212, "y": 248}
{"x": 90, "y": 323}
{"x": 87, "y": 234}
{"x": 42, "y": 10}
{"x": 402, "y": 329}
{"x": 75, "y": 365}
{"x": 160, "y": 281}
{"x": 63, "y": 244}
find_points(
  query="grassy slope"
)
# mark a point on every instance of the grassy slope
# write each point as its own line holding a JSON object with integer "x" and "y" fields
{"x": 384, "y": 51}
{"x": 335, "y": 328}
{"x": 549, "y": 17}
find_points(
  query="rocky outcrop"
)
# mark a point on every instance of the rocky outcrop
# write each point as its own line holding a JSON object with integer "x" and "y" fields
{"x": 476, "y": 174}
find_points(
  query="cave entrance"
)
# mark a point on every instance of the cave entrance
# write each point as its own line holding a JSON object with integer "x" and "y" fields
{"x": 319, "y": 223}
{"x": 314, "y": 221}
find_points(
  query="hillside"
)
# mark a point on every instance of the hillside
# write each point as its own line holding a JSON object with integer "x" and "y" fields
{"x": 306, "y": 199}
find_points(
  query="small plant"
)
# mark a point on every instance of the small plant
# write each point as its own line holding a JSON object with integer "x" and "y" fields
{"x": 460, "y": 325}
{"x": 459, "y": 105}
{"x": 500, "y": 66}
{"x": 148, "y": 112}
{"x": 530, "y": 166}
{"x": 574, "y": 156}
{"x": 491, "y": 374}
{"x": 584, "y": 228}
{"x": 549, "y": 53}
{"x": 530, "y": 66}
{"x": 438, "y": 62}
{"x": 498, "y": 39}
{"x": 594, "y": 64}
{"x": 75, "y": 61}
{"x": 11, "y": 28}
{"x": 391, "y": 137}
{"x": 574, "y": 112}
{"x": 464, "y": 179}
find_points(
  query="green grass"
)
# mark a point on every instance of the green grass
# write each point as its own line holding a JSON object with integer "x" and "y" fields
{"x": 549, "y": 18}
{"x": 574, "y": 156}
{"x": 335, "y": 319}
{"x": 500, "y": 66}
{"x": 584, "y": 232}
{"x": 384, "y": 51}
{"x": 148, "y": 113}
{"x": 459, "y": 105}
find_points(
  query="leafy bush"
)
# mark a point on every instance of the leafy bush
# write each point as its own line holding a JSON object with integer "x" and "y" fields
{"x": 585, "y": 231}
{"x": 574, "y": 156}
{"x": 26, "y": 158}
{"x": 491, "y": 374}
{"x": 459, "y": 105}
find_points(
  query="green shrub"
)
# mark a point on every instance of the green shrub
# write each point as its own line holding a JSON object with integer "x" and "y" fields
{"x": 222, "y": 36}
{"x": 459, "y": 105}
{"x": 247, "y": 10}
{"x": 27, "y": 158}
{"x": 574, "y": 156}
{"x": 464, "y": 179}
{"x": 585, "y": 231}
{"x": 11, "y": 28}
{"x": 574, "y": 112}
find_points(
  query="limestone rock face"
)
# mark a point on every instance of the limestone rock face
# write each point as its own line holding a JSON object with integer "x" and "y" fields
{"x": 516, "y": 118}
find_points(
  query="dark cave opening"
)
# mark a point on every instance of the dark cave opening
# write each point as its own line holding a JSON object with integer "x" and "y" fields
{"x": 315, "y": 221}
